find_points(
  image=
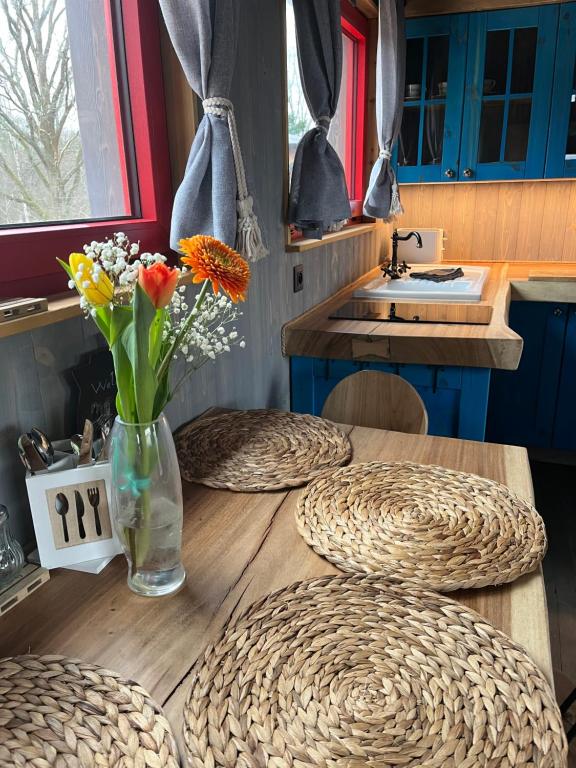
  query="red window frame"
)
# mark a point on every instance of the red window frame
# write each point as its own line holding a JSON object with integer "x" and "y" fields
{"x": 355, "y": 26}
{"x": 28, "y": 254}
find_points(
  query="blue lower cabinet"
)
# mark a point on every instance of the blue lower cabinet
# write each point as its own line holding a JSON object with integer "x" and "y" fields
{"x": 533, "y": 406}
{"x": 456, "y": 398}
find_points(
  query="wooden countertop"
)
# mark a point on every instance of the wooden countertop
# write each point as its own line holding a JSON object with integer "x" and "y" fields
{"x": 237, "y": 548}
{"x": 493, "y": 345}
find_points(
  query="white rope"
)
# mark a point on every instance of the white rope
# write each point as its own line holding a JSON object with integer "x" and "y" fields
{"x": 249, "y": 240}
{"x": 385, "y": 154}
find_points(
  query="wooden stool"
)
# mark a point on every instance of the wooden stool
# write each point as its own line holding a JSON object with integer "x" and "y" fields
{"x": 378, "y": 400}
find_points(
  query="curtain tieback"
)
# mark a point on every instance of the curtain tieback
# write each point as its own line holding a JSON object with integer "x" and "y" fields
{"x": 385, "y": 154}
{"x": 323, "y": 122}
{"x": 248, "y": 237}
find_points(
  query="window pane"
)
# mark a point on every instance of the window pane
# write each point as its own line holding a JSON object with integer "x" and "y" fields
{"x": 518, "y": 129}
{"x": 491, "y": 122}
{"x": 433, "y": 135}
{"x": 496, "y": 62}
{"x": 408, "y": 144}
{"x": 437, "y": 67}
{"x": 524, "y": 60}
{"x": 414, "y": 54}
{"x": 62, "y": 154}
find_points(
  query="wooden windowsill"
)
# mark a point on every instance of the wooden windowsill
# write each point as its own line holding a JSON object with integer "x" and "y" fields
{"x": 60, "y": 307}
{"x": 354, "y": 230}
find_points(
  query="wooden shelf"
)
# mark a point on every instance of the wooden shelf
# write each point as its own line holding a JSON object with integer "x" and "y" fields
{"x": 307, "y": 244}
{"x": 367, "y": 8}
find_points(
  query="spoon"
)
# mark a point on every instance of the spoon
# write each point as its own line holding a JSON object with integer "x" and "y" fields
{"x": 61, "y": 506}
{"x": 29, "y": 455}
{"x": 42, "y": 445}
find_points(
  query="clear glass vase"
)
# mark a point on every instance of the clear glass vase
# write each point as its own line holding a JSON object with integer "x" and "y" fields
{"x": 147, "y": 505}
{"x": 11, "y": 554}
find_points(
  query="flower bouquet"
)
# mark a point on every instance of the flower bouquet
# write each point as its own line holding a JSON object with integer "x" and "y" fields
{"x": 140, "y": 306}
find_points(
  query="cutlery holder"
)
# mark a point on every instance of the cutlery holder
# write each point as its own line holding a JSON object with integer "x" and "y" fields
{"x": 71, "y": 515}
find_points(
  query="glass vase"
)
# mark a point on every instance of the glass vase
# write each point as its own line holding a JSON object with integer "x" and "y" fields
{"x": 11, "y": 554}
{"x": 147, "y": 505}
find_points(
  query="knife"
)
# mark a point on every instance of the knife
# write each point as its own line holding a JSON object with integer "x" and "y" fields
{"x": 80, "y": 513}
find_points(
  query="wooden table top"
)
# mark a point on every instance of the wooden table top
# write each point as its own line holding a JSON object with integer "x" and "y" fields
{"x": 491, "y": 345}
{"x": 237, "y": 548}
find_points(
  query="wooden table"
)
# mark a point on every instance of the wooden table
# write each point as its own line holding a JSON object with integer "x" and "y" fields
{"x": 238, "y": 547}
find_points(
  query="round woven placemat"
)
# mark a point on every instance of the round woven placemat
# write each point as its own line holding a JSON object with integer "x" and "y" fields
{"x": 56, "y": 711}
{"x": 358, "y": 671}
{"x": 445, "y": 529}
{"x": 262, "y": 450}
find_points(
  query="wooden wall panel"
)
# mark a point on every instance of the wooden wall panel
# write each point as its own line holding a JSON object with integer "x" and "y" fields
{"x": 34, "y": 388}
{"x": 523, "y": 221}
{"x": 439, "y": 7}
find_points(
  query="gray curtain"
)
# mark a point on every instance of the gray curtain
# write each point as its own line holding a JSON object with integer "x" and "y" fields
{"x": 213, "y": 198}
{"x": 319, "y": 200}
{"x": 382, "y": 198}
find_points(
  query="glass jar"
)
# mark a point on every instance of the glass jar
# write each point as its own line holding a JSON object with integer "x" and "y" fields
{"x": 146, "y": 499}
{"x": 11, "y": 554}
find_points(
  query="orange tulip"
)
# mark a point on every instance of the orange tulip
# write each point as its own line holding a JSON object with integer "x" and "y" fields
{"x": 159, "y": 283}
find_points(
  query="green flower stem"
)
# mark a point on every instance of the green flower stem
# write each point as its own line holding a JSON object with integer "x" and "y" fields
{"x": 165, "y": 364}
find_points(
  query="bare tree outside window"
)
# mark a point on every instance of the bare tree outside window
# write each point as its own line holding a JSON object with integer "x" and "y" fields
{"x": 62, "y": 149}
{"x": 42, "y": 176}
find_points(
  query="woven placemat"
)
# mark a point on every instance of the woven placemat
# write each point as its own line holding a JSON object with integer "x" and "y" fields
{"x": 357, "y": 671}
{"x": 447, "y": 530}
{"x": 261, "y": 450}
{"x": 56, "y": 711}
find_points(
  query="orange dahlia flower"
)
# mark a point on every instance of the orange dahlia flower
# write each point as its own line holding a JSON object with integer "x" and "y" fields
{"x": 209, "y": 259}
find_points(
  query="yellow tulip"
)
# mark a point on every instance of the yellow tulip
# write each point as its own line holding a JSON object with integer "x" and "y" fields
{"x": 97, "y": 294}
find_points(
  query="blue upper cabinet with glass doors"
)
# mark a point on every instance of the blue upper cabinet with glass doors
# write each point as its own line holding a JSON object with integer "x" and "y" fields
{"x": 509, "y": 76}
{"x": 482, "y": 95}
{"x": 429, "y": 142}
{"x": 561, "y": 155}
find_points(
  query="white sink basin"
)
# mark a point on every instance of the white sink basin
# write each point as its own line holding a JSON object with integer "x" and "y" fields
{"x": 466, "y": 288}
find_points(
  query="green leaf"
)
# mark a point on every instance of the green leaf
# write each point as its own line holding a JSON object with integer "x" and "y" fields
{"x": 120, "y": 318}
{"x": 163, "y": 395}
{"x": 136, "y": 341}
{"x": 156, "y": 336}
{"x": 66, "y": 267}
{"x": 125, "y": 403}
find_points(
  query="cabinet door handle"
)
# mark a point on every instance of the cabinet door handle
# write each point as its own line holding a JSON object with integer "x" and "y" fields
{"x": 468, "y": 172}
{"x": 450, "y": 173}
{"x": 558, "y": 312}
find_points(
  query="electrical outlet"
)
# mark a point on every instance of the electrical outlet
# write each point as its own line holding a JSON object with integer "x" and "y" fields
{"x": 298, "y": 277}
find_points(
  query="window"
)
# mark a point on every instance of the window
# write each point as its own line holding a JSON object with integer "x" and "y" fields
{"x": 83, "y": 147}
{"x": 347, "y": 128}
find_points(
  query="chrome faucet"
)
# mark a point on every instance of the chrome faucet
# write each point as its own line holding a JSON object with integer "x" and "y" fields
{"x": 392, "y": 269}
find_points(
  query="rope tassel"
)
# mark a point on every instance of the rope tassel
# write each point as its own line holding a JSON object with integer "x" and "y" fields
{"x": 249, "y": 240}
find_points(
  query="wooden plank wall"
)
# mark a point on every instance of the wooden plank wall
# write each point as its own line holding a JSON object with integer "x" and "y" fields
{"x": 522, "y": 221}
{"x": 34, "y": 388}
{"x": 438, "y": 7}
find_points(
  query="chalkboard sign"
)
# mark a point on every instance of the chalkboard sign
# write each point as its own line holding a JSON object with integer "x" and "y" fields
{"x": 96, "y": 385}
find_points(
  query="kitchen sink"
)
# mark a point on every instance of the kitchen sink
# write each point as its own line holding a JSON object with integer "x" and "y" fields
{"x": 466, "y": 288}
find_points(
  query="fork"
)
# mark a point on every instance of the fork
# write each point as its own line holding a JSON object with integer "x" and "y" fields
{"x": 94, "y": 501}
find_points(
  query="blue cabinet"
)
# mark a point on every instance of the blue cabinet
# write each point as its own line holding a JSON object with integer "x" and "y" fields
{"x": 534, "y": 406}
{"x": 456, "y": 398}
{"x": 561, "y": 154}
{"x": 429, "y": 143}
{"x": 490, "y": 96}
